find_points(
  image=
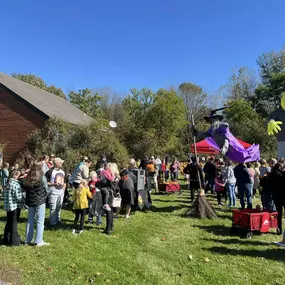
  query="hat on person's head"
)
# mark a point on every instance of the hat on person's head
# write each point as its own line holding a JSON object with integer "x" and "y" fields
{"x": 124, "y": 172}
{"x": 152, "y": 157}
{"x": 58, "y": 160}
{"x": 52, "y": 155}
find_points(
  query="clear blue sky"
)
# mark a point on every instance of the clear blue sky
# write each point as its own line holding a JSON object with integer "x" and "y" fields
{"x": 137, "y": 43}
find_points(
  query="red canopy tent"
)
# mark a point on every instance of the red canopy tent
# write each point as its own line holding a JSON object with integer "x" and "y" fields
{"x": 204, "y": 148}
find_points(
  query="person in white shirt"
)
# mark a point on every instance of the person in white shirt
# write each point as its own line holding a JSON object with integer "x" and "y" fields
{"x": 57, "y": 185}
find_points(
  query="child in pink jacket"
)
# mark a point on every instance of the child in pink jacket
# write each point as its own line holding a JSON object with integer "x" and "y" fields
{"x": 219, "y": 187}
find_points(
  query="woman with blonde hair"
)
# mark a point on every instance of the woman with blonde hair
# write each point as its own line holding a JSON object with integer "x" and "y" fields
{"x": 36, "y": 189}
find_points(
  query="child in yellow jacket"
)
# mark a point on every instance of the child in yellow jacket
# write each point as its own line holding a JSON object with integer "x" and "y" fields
{"x": 80, "y": 205}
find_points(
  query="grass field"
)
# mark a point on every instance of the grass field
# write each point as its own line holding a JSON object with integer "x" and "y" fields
{"x": 155, "y": 247}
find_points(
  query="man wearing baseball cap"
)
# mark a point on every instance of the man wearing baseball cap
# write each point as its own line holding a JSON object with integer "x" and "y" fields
{"x": 57, "y": 184}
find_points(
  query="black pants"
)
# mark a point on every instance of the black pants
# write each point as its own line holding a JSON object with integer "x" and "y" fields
{"x": 279, "y": 209}
{"x": 79, "y": 214}
{"x": 109, "y": 221}
{"x": 219, "y": 196}
{"x": 11, "y": 236}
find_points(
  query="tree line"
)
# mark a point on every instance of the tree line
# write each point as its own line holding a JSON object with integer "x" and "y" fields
{"x": 157, "y": 122}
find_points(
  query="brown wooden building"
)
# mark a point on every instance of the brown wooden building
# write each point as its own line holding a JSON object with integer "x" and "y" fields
{"x": 25, "y": 108}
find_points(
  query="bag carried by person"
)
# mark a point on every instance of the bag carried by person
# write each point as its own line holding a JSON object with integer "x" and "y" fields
{"x": 117, "y": 201}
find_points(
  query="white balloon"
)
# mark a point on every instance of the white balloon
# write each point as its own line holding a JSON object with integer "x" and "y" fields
{"x": 113, "y": 124}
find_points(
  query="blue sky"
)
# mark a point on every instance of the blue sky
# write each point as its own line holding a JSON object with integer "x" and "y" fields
{"x": 140, "y": 43}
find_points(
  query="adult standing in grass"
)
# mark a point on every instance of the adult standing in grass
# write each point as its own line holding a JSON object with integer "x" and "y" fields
{"x": 126, "y": 187}
{"x": 57, "y": 186}
{"x": 277, "y": 182}
{"x": 133, "y": 174}
{"x": 12, "y": 205}
{"x": 45, "y": 160}
{"x": 230, "y": 182}
{"x": 81, "y": 173}
{"x": 244, "y": 184}
{"x": 36, "y": 189}
{"x": 256, "y": 182}
{"x": 5, "y": 175}
{"x": 210, "y": 170}
{"x": 194, "y": 170}
{"x": 174, "y": 170}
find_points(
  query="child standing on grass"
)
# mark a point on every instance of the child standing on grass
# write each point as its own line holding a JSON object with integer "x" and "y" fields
{"x": 92, "y": 186}
{"x": 80, "y": 205}
{"x": 219, "y": 187}
{"x": 12, "y": 205}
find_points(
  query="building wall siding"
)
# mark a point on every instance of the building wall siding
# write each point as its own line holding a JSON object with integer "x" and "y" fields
{"x": 17, "y": 121}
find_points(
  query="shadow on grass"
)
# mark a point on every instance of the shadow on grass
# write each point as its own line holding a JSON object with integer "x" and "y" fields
{"x": 66, "y": 227}
{"x": 218, "y": 230}
{"x": 21, "y": 220}
{"x": 171, "y": 201}
{"x": 239, "y": 241}
{"x": 167, "y": 209}
{"x": 277, "y": 254}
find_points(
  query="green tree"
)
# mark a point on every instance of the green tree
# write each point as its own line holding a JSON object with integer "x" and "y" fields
{"x": 272, "y": 73}
{"x": 38, "y": 82}
{"x": 267, "y": 96}
{"x": 194, "y": 98}
{"x": 71, "y": 142}
{"x": 271, "y": 63}
{"x": 242, "y": 84}
{"x": 87, "y": 101}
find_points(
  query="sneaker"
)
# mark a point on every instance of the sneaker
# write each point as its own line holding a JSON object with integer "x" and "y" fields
{"x": 116, "y": 216}
{"x": 280, "y": 244}
{"x": 127, "y": 216}
{"x": 107, "y": 208}
{"x": 73, "y": 232}
{"x": 43, "y": 244}
{"x": 80, "y": 232}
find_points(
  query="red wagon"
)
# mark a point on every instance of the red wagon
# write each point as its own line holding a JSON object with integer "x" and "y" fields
{"x": 169, "y": 187}
{"x": 252, "y": 220}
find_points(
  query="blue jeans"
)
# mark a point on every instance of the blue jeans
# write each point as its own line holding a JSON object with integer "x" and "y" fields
{"x": 98, "y": 220}
{"x": 55, "y": 204}
{"x": 245, "y": 189}
{"x": 231, "y": 194}
{"x": 174, "y": 176}
{"x": 36, "y": 213}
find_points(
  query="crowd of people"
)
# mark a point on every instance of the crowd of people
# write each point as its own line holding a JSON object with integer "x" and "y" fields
{"x": 95, "y": 190}
{"x": 101, "y": 189}
{"x": 244, "y": 180}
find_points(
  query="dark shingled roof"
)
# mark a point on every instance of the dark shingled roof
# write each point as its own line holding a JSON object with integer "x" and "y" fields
{"x": 50, "y": 104}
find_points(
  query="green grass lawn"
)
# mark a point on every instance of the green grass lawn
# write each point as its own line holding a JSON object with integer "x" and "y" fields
{"x": 154, "y": 247}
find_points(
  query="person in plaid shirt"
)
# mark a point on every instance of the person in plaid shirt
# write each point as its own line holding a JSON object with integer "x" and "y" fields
{"x": 12, "y": 205}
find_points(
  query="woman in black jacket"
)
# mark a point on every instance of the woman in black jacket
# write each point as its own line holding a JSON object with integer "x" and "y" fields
{"x": 277, "y": 184}
{"x": 36, "y": 189}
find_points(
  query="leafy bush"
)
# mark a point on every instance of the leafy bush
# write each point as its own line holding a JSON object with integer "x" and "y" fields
{"x": 71, "y": 142}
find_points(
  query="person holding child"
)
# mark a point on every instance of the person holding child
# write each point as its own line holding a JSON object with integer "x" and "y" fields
{"x": 12, "y": 205}
{"x": 80, "y": 195}
{"x": 105, "y": 185}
